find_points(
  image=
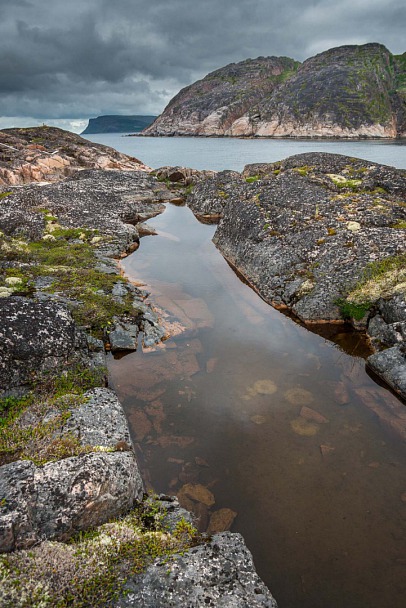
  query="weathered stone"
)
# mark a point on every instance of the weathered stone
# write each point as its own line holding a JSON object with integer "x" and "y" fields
{"x": 28, "y": 348}
{"x": 219, "y": 573}
{"x": 124, "y": 337}
{"x": 63, "y": 497}
{"x": 181, "y": 175}
{"x": 198, "y": 493}
{"x": 309, "y": 414}
{"x": 99, "y": 421}
{"x": 60, "y": 154}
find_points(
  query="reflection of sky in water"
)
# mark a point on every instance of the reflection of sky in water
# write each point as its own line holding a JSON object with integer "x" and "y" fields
{"x": 318, "y": 499}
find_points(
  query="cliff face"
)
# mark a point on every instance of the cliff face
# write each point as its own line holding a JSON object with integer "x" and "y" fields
{"x": 117, "y": 124}
{"x": 212, "y": 105}
{"x": 349, "y": 91}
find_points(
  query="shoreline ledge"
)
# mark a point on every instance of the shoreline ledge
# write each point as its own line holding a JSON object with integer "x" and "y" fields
{"x": 71, "y": 496}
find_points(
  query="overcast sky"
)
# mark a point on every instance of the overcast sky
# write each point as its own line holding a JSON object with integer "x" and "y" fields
{"x": 64, "y": 61}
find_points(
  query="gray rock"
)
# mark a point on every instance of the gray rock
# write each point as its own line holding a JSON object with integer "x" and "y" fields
{"x": 209, "y": 196}
{"x": 390, "y": 365}
{"x": 153, "y": 333}
{"x": 124, "y": 337}
{"x": 219, "y": 573}
{"x": 110, "y": 201}
{"x": 100, "y": 421}
{"x": 170, "y": 512}
{"x": 63, "y": 497}
{"x": 34, "y": 337}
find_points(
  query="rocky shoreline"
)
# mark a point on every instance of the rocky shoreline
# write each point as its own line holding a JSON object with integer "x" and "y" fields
{"x": 67, "y": 460}
{"x": 320, "y": 235}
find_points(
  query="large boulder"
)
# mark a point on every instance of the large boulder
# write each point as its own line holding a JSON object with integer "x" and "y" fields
{"x": 35, "y": 337}
{"x": 60, "y": 498}
{"x": 64, "y": 497}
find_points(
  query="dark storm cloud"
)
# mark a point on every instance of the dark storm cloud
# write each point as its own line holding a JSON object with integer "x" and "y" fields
{"x": 90, "y": 57}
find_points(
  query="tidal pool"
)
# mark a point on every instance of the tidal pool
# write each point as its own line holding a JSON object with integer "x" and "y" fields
{"x": 258, "y": 423}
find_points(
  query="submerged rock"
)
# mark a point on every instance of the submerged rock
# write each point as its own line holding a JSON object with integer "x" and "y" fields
{"x": 219, "y": 573}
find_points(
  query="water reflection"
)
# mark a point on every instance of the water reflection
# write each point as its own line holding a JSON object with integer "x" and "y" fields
{"x": 257, "y": 423}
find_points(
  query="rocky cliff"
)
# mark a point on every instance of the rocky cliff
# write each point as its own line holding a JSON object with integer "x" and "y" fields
{"x": 349, "y": 91}
{"x": 118, "y": 124}
{"x": 211, "y": 106}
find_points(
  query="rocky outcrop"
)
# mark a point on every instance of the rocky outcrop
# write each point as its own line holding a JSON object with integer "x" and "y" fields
{"x": 321, "y": 235}
{"x": 350, "y": 91}
{"x": 49, "y": 154}
{"x": 218, "y": 573}
{"x": 118, "y": 124}
{"x": 58, "y": 499}
{"x": 110, "y": 202}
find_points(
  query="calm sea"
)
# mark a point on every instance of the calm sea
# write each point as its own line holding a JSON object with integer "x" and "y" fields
{"x": 223, "y": 153}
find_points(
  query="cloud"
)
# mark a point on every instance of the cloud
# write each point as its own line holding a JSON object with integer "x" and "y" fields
{"x": 84, "y": 58}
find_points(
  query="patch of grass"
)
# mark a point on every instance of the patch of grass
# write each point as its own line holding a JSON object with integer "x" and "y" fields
{"x": 72, "y": 268}
{"x": 189, "y": 189}
{"x": 252, "y": 179}
{"x": 350, "y": 310}
{"x": 400, "y": 225}
{"x": 305, "y": 170}
{"x": 381, "y": 279}
{"x": 344, "y": 183}
{"x": 222, "y": 194}
{"x": 5, "y": 194}
{"x": 91, "y": 569}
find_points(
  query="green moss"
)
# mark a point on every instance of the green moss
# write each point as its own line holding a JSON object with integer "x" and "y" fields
{"x": 381, "y": 279}
{"x": 5, "y": 194}
{"x": 38, "y": 437}
{"x": 222, "y": 194}
{"x": 344, "y": 183}
{"x": 252, "y": 179}
{"x": 350, "y": 310}
{"x": 71, "y": 265}
{"x": 305, "y": 170}
{"x": 400, "y": 225}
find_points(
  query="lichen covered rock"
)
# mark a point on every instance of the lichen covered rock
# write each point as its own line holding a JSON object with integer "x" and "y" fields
{"x": 219, "y": 573}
